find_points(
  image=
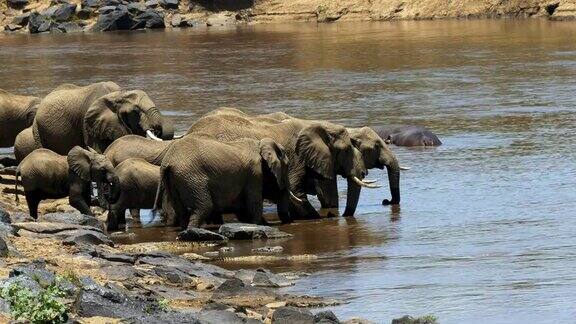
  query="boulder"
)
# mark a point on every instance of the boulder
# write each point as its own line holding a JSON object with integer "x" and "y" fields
{"x": 37, "y": 271}
{"x": 52, "y": 228}
{"x": 236, "y": 292}
{"x": 265, "y": 278}
{"x": 90, "y": 4}
{"x": 18, "y": 4}
{"x": 101, "y": 253}
{"x": 220, "y": 317}
{"x": 21, "y": 20}
{"x": 172, "y": 275}
{"x": 177, "y": 21}
{"x": 84, "y": 13}
{"x": 326, "y": 317}
{"x": 81, "y": 237}
{"x": 169, "y": 4}
{"x": 71, "y": 27}
{"x": 291, "y": 315}
{"x": 24, "y": 282}
{"x": 149, "y": 19}
{"x": 115, "y": 20}
{"x": 6, "y": 229}
{"x": 39, "y": 23}
{"x": 64, "y": 12}
{"x": 406, "y": 319}
{"x": 199, "y": 235}
{"x": 241, "y": 231}
{"x": 71, "y": 218}
{"x": 136, "y": 8}
{"x": 106, "y": 10}
{"x": 4, "y": 251}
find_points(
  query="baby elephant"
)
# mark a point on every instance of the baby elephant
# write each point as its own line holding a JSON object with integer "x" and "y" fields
{"x": 47, "y": 175}
{"x": 202, "y": 177}
{"x": 138, "y": 181}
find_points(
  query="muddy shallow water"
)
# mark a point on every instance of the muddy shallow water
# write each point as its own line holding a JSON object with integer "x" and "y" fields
{"x": 486, "y": 232}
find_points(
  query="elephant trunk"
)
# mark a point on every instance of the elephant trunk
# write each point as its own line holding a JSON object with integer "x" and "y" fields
{"x": 393, "y": 169}
{"x": 114, "y": 192}
{"x": 154, "y": 126}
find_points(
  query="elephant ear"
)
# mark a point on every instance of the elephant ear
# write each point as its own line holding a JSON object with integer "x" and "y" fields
{"x": 276, "y": 160}
{"x": 312, "y": 146}
{"x": 79, "y": 162}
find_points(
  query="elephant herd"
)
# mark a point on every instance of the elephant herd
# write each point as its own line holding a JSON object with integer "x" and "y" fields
{"x": 227, "y": 162}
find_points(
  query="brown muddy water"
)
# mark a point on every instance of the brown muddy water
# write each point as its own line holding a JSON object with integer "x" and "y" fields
{"x": 486, "y": 232}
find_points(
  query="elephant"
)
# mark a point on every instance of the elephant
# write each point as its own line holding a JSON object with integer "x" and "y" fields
{"x": 316, "y": 150}
{"x": 134, "y": 146}
{"x": 16, "y": 113}
{"x": 94, "y": 116}
{"x": 138, "y": 181}
{"x": 408, "y": 135}
{"x": 48, "y": 175}
{"x": 24, "y": 144}
{"x": 201, "y": 177}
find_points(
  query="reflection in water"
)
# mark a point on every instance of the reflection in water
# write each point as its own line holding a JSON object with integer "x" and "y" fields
{"x": 486, "y": 232}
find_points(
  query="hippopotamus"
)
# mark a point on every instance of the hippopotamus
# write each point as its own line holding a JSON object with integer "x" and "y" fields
{"x": 408, "y": 135}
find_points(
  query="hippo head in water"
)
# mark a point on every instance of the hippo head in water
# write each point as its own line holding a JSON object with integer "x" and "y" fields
{"x": 409, "y": 135}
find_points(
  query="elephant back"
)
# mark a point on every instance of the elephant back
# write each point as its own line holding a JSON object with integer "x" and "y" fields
{"x": 16, "y": 113}
{"x": 44, "y": 170}
{"x": 59, "y": 119}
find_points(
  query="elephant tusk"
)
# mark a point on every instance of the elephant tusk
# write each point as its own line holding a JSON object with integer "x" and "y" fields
{"x": 294, "y": 196}
{"x": 370, "y": 181}
{"x": 152, "y": 136}
{"x": 178, "y": 136}
{"x": 404, "y": 168}
{"x": 363, "y": 184}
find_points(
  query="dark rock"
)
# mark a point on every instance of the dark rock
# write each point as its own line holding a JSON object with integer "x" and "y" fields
{"x": 119, "y": 272}
{"x": 220, "y": 317}
{"x": 64, "y": 12}
{"x": 194, "y": 269}
{"x": 37, "y": 271}
{"x": 4, "y": 251}
{"x": 5, "y": 216}
{"x": 90, "y": 4}
{"x": 235, "y": 288}
{"x": 17, "y": 4}
{"x": 84, "y": 13}
{"x": 24, "y": 282}
{"x": 192, "y": 23}
{"x": 106, "y": 10}
{"x": 170, "y": 317}
{"x": 241, "y": 231}
{"x": 116, "y": 20}
{"x": 98, "y": 252}
{"x": 19, "y": 217}
{"x": 411, "y": 320}
{"x": 169, "y": 4}
{"x": 172, "y": 274}
{"x": 12, "y": 27}
{"x": 52, "y": 228}
{"x": 214, "y": 306}
{"x": 265, "y": 278}
{"x": 57, "y": 2}
{"x": 79, "y": 237}
{"x": 291, "y": 315}
{"x": 172, "y": 292}
{"x": 21, "y": 20}
{"x": 39, "y": 23}
{"x": 199, "y": 234}
{"x": 136, "y": 8}
{"x": 149, "y": 19}
{"x": 6, "y": 229}
{"x": 70, "y": 27}
{"x": 113, "y": 3}
{"x": 4, "y": 306}
{"x": 104, "y": 302}
{"x": 326, "y": 317}
{"x": 71, "y": 218}
{"x": 152, "y": 3}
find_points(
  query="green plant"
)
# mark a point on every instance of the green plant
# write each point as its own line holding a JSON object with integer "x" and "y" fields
{"x": 44, "y": 307}
{"x": 428, "y": 319}
{"x": 163, "y": 304}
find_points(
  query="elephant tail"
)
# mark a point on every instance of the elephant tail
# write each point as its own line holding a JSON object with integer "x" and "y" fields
{"x": 164, "y": 171}
{"x": 16, "y": 185}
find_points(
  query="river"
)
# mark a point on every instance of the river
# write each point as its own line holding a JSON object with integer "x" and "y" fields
{"x": 486, "y": 232}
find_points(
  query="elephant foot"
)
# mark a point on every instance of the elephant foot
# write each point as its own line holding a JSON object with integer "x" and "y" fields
{"x": 387, "y": 202}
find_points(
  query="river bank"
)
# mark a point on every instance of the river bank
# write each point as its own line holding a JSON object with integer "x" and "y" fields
{"x": 66, "y": 16}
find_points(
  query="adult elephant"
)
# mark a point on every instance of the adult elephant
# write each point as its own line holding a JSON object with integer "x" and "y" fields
{"x": 16, "y": 113}
{"x": 94, "y": 116}
{"x": 318, "y": 150}
{"x": 25, "y": 144}
{"x": 408, "y": 135}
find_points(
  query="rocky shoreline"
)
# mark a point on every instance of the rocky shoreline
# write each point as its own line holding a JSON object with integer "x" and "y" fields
{"x": 66, "y": 16}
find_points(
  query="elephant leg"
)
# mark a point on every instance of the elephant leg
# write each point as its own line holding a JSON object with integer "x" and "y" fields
{"x": 283, "y": 208}
{"x": 203, "y": 208}
{"x": 216, "y": 219}
{"x": 32, "y": 199}
{"x": 254, "y": 208}
{"x": 352, "y": 198}
{"x": 76, "y": 199}
{"x": 327, "y": 191}
{"x": 113, "y": 222}
{"x": 303, "y": 210}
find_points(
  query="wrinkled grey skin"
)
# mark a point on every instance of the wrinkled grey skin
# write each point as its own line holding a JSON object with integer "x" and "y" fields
{"x": 138, "y": 181}
{"x": 408, "y": 135}
{"x": 201, "y": 177}
{"x": 47, "y": 175}
{"x": 374, "y": 151}
{"x": 315, "y": 150}
{"x": 24, "y": 144}
{"x": 16, "y": 113}
{"x": 93, "y": 116}
{"x": 134, "y": 146}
